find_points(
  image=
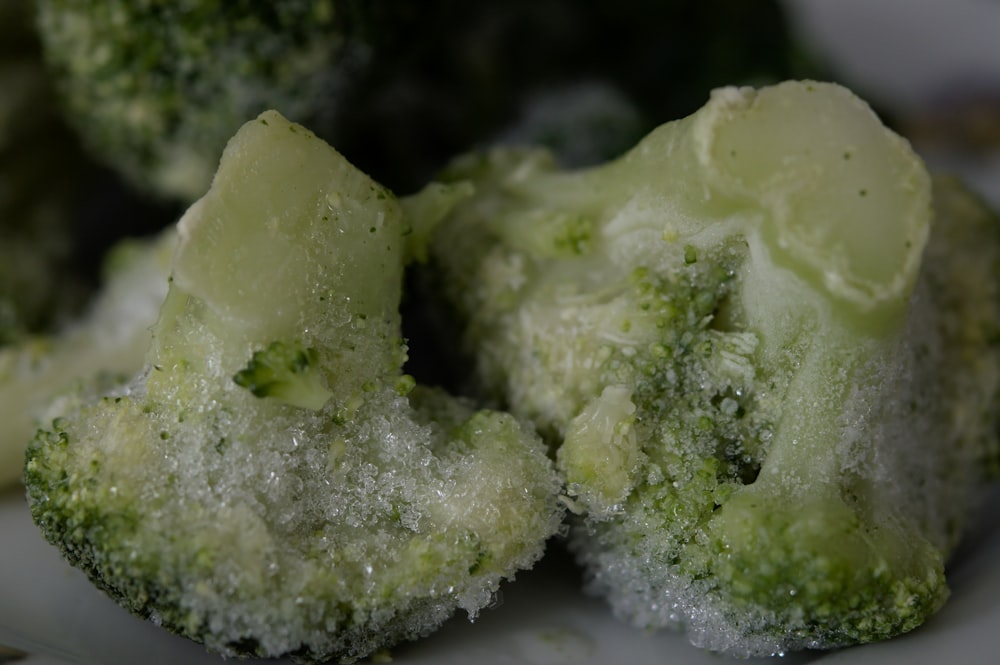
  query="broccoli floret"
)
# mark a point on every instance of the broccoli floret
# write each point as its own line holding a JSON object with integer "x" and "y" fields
{"x": 320, "y": 528}
{"x": 771, "y": 415}
{"x": 156, "y": 88}
{"x": 286, "y": 372}
{"x": 106, "y": 345}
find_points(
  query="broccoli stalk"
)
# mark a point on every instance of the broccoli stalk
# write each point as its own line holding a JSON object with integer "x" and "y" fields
{"x": 753, "y": 412}
{"x": 272, "y": 483}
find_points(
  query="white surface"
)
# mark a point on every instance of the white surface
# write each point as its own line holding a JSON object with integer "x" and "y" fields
{"x": 51, "y": 612}
{"x": 904, "y": 54}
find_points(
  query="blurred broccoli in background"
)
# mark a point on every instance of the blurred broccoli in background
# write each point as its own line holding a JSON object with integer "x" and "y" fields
{"x": 59, "y": 210}
{"x": 156, "y": 88}
{"x": 772, "y": 416}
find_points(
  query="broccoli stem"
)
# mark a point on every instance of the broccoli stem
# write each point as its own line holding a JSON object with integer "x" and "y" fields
{"x": 352, "y": 271}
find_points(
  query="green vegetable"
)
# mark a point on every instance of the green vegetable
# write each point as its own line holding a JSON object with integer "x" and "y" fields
{"x": 272, "y": 483}
{"x": 287, "y": 373}
{"x": 156, "y": 88}
{"x": 771, "y": 413}
{"x": 104, "y": 346}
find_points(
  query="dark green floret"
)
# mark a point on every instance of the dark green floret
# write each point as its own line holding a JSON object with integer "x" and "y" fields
{"x": 286, "y": 372}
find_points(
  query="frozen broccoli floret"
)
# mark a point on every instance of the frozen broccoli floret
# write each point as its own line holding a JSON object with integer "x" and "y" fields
{"x": 157, "y": 88}
{"x": 772, "y": 416}
{"x": 106, "y": 345}
{"x": 273, "y": 483}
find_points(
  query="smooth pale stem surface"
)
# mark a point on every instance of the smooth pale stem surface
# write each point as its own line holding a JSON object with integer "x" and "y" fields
{"x": 278, "y": 184}
{"x": 291, "y": 243}
{"x": 804, "y": 453}
{"x": 847, "y": 203}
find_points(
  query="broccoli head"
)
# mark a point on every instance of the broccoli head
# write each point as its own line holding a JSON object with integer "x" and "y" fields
{"x": 771, "y": 411}
{"x": 156, "y": 88}
{"x": 272, "y": 483}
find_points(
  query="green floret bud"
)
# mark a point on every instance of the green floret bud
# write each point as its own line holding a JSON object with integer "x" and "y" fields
{"x": 822, "y": 572}
{"x": 346, "y": 510}
{"x": 771, "y": 377}
{"x": 287, "y": 373}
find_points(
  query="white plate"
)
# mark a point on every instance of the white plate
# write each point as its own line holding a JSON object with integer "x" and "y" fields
{"x": 49, "y": 611}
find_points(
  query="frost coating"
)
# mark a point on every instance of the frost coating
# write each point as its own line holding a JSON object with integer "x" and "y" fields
{"x": 805, "y": 459}
{"x": 267, "y": 522}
